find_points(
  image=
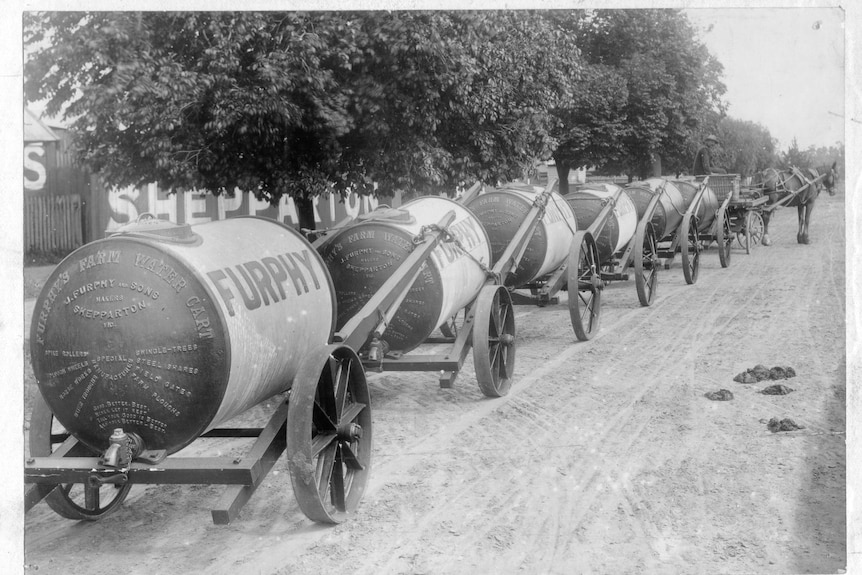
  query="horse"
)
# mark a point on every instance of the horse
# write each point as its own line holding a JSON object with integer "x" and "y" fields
{"x": 803, "y": 185}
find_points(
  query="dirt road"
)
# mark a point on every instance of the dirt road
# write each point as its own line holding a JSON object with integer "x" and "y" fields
{"x": 604, "y": 458}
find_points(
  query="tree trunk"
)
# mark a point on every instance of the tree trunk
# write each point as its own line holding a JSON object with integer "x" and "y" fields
{"x": 656, "y": 165}
{"x": 305, "y": 212}
{"x": 563, "y": 178}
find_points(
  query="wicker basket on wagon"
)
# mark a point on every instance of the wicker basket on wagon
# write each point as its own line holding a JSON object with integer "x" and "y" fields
{"x": 723, "y": 185}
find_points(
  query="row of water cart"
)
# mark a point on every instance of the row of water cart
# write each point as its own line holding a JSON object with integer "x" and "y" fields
{"x": 158, "y": 335}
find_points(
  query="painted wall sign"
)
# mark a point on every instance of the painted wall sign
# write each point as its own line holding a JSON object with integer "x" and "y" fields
{"x": 127, "y": 204}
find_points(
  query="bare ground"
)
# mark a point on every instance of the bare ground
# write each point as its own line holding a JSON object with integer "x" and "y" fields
{"x": 605, "y": 457}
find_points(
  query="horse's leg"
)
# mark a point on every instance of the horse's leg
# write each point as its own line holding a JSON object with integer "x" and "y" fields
{"x": 765, "y": 215}
{"x": 809, "y": 206}
{"x": 800, "y": 212}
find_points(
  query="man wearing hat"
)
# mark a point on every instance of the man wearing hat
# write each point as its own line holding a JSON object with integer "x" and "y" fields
{"x": 703, "y": 160}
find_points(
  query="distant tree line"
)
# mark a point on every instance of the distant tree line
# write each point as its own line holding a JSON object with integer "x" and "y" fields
{"x": 813, "y": 157}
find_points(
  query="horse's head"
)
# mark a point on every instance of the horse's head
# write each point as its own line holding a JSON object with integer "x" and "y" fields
{"x": 814, "y": 175}
{"x": 830, "y": 178}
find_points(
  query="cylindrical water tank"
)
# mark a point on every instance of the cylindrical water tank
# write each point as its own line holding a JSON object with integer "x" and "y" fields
{"x": 587, "y": 200}
{"x": 707, "y": 207}
{"x": 362, "y": 256}
{"x": 670, "y": 209}
{"x": 503, "y": 210}
{"x": 167, "y": 331}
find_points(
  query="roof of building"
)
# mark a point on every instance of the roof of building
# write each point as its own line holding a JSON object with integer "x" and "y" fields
{"x": 35, "y": 130}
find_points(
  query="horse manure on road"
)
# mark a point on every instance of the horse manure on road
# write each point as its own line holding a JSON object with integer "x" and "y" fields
{"x": 777, "y": 389}
{"x": 781, "y": 373}
{"x": 761, "y": 372}
{"x": 720, "y": 395}
{"x": 786, "y": 424}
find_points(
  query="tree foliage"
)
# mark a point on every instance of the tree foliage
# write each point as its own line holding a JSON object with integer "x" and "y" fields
{"x": 795, "y": 156}
{"x": 821, "y": 156}
{"x": 304, "y": 103}
{"x": 590, "y": 130}
{"x": 813, "y": 157}
{"x": 746, "y": 147}
{"x": 672, "y": 86}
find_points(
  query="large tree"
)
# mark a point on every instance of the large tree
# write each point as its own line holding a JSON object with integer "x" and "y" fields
{"x": 303, "y": 103}
{"x": 672, "y": 85}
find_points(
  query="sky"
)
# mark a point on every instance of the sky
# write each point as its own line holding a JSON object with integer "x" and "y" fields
{"x": 783, "y": 68}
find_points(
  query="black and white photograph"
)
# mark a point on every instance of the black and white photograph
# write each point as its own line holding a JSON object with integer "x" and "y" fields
{"x": 431, "y": 289}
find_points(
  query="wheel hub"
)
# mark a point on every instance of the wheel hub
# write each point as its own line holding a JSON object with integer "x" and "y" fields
{"x": 349, "y": 432}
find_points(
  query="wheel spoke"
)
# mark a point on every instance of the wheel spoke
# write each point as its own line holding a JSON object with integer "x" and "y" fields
{"x": 321, "y": 441}
{"x": 495, "y": 326}
{"x": 494, "y": 352}
{"x": 321, "y": 418}
{"x": 350, "y": 458}
{"x": 342, "y": 381}
{"x": 336, "y": 483}
{"x": 352, "y": 412}
{"x": 588, "y": 300}
{"x": 325, "y": 466}
{"x": 502, "y": 317}
{"x": 502, "y": 362}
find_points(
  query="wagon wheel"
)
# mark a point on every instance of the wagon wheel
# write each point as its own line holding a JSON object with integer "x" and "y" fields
{"x": 724, "y": 236}
{"x": 691, "y": 250}
{"x": 585, "y": 286}
{"x": 646, "y": 263}
{"x": 79, "y": 501}
{"x": 494, "y": 341}
{"x": 753, "y": 230}
{"x": 329, "y": 434}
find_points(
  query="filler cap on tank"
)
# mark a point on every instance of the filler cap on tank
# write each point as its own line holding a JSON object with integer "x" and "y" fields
{"x": 149, "y": 226}
{"x": 386, "y": 213}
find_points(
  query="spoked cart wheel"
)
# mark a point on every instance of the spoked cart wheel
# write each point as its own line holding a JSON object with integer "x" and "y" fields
{"x": 494, "y": 341}
{"x": 724, "y": 236}
{"x": 329, "y": 434}
{"x": 78, "y": 501}
{"x": 646, "y": 262}
{"x": 753, "y": 230}
{"x": 585, "y": 286}
{"x": 690, "y": 249}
